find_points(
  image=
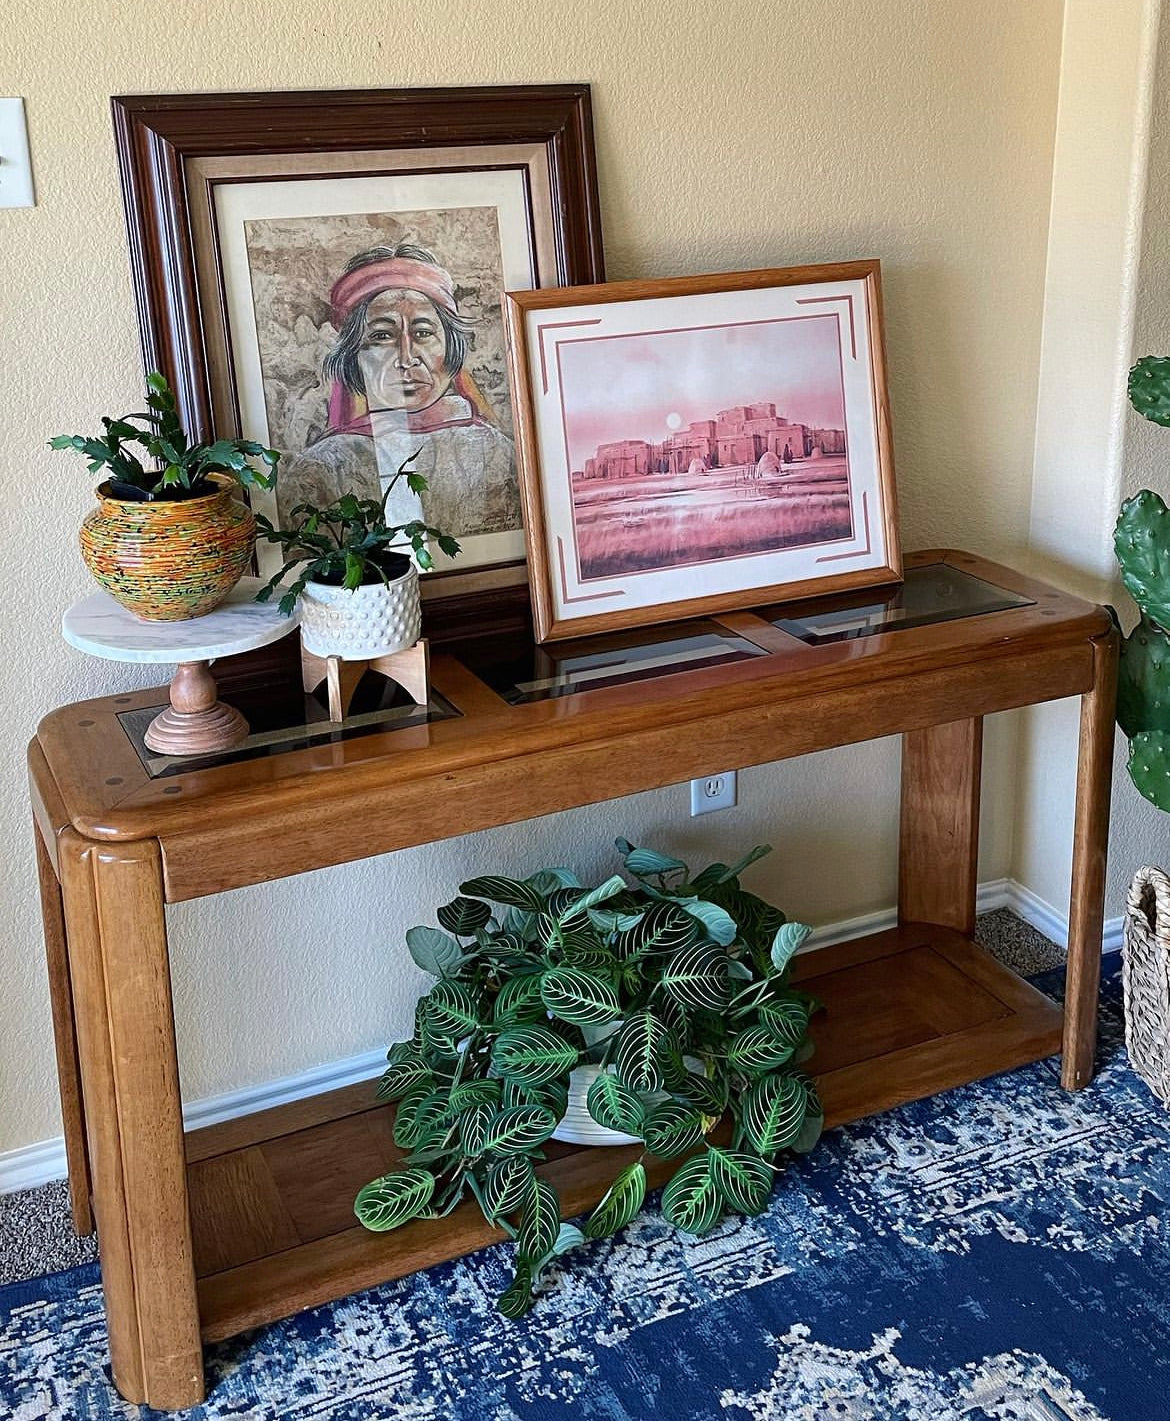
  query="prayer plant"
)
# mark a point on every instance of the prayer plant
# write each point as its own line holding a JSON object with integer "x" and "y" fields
{"x": 676, "y": 984}
{"x": 175, "y": 466}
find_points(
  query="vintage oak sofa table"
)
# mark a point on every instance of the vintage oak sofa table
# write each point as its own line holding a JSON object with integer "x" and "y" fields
{"x": 207, "y": 1234}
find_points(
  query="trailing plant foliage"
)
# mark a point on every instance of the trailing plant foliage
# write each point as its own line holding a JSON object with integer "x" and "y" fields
{"x": 349, "y": 543}
{"x": 677, "y": 985}
{"x": 178, "y": 468}
{"x": 1141, "y": 540}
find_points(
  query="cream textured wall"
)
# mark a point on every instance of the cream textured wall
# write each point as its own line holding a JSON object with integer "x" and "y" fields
{"x": 730, "y": 134}
{"x": 1112, "y": 162}
{"x": 1140, "y": 833}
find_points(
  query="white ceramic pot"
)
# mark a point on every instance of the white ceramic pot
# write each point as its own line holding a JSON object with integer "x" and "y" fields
{"x": 577, "y": 1126}
{"x": 373, "y": 620}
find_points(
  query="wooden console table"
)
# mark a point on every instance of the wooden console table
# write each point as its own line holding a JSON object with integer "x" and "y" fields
{"x": 231, "y": 1226}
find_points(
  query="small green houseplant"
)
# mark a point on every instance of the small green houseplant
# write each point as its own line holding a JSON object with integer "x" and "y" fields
{"x": 170, "y": 536}
{"x": 1141, "y": 540}
{"x": 674, "y": 986}
{"x": 177, "y": 468}
{"x": 354, "y": 576}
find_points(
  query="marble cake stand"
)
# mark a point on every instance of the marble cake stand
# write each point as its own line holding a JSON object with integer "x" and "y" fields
{"x": 196, "y": 722}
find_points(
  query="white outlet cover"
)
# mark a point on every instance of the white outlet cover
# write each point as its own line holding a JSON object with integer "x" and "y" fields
{"x": 16, "y": 184}
{"x": 713, "y": 792}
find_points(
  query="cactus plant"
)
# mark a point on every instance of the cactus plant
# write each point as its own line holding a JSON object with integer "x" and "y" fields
{"x": 1141, "y": 541}
{"x": 1149, "y": 766}
{"x": 1143, "y": 687}
{"x": 1149, "y": 388}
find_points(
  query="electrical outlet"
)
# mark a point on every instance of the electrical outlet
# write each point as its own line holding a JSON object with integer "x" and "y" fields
{"x": 713, "y": 792}
{"x": 16, "y": 186}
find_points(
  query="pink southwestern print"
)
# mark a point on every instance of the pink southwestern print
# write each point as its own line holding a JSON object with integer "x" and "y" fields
{"x": 697, "y": 445}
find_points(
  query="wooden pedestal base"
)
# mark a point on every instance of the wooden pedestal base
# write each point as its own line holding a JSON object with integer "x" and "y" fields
{"x": 196, "y": 722}
{"x": 409, "y": 668}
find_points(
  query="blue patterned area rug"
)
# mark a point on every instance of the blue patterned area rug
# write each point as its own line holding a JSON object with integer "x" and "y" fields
{"x": 997, "y": 1252}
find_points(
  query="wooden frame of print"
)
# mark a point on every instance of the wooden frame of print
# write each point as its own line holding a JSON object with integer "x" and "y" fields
{"x": 679, "y": 501}
{"x": 183, "y": 157}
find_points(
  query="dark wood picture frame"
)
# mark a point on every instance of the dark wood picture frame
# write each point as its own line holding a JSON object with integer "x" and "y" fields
{"x": 160, "y": 135}
{"x": 529, "y": 360}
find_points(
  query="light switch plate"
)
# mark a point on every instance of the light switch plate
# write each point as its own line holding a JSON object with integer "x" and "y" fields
{"x": 16, "y": 184}
{"x": 713, "y": 792}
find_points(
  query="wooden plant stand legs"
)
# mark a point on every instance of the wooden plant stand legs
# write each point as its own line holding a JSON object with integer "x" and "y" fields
{"x": 115, "y": 920}
{"x": 938, "y": 848}
{"x": 410, "y": 668}
{"x": 1090, "y": 847}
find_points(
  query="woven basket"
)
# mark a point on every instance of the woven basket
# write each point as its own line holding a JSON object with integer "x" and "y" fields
{"x": 1145, "y": 975}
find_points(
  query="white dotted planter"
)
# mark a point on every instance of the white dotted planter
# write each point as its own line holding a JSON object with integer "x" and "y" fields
{"x": 373, "y": 620}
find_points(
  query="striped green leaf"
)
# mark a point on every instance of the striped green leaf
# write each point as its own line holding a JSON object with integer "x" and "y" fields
{"x": 788, "y": 938}
{"x": 672, "y": 1128}
{"x": 814, "y": 1119}
{"x": 719, "y": 923}
{"x": 540, "y": 1220}
{"x": 517, "y": 1298}
{"x": 691, "y": 1201}
{"x": 473, "y": 1129}
{"x": 709, "y": 1095}
{"x": 643, "y": 863}
{"x": 519, "y": 1000}
{"x": 473, "y": 1092}
{"x": 788, "y": 1018}
{"x": 758, "y": 1049}
{"x": 620, "y": 1203}
{"x": 509, "y": 891}
{"x": 553, "y": 1095}
{"x": 773, "y": 1111}
{"x": 463, "y": 915}
{"x": 409, "y": 1071}
{"x": 744, "y": 1181}
{"x": 390, "y": 1201}
{"x": 531, "y": 1055}
{"x": 452, "y": 1009}
{"x": 575, "y": 996}
{"x": 503, "y": 1190}
{"x": 662, "y": 928}
{"x": 581, "y": 903}
{"x": 419, "y": 1112}
{"x": 697, "y": 976}
{"x": 614, "y": 1105}
{"x": 641, "y": 1046}
{"x": 520, "y": 1128}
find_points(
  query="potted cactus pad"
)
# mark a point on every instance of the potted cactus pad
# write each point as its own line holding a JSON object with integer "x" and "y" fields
{"x": 1141, "y": 540}
{"x": 655, "y": 1006}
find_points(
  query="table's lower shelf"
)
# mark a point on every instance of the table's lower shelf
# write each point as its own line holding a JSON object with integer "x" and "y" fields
{"x": 909, "y": 1013}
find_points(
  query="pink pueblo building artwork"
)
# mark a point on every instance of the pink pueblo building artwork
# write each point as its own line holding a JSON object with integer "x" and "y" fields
{"x": 769, "y": 471}
{"x": 702, "y": 443}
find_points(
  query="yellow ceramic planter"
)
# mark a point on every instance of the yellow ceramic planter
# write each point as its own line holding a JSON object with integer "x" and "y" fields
{"x": 167, "y": 562}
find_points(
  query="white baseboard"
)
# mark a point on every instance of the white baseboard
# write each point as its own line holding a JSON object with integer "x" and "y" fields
{"x": 37, "y": 1164}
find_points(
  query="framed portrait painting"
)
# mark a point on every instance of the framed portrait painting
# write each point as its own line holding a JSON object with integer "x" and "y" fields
{"x": 693, "y": 445}
{"x": 323, "y": 272}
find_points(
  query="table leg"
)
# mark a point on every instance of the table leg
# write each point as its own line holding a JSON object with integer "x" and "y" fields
{"x": 116, "y": 920}
{"x": 65, "y": 1038}
{"x": 1090, "y": 846}
{"x": 938, "y": 848}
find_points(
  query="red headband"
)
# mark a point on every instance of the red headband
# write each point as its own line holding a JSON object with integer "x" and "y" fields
{"x": 394, "y": 273}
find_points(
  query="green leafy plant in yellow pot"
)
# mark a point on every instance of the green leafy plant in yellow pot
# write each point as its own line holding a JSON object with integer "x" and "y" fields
{"x": 170, "y": 536}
